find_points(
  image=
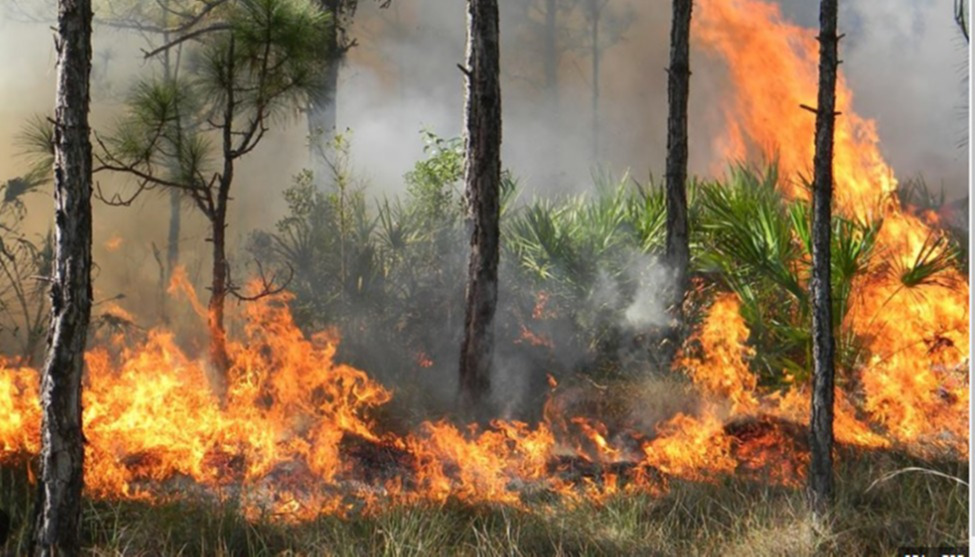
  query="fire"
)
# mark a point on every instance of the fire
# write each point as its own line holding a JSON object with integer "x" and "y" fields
{"x": 722, "y": 369}
{"x": 692, "y": 447}
{"x": 774, "y": 66}
{"x": 908, "y": 385}
{"x": 534, "y": 339}
{"x": 295, "y": 437}
{"x": 114, "y": 243}
{"x": 22, "y": 415}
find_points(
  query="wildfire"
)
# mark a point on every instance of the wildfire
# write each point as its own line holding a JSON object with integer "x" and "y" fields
{"x": 295, "y": 437}
{"x": 114, "y": 243}
{"x": 773, "y": 64}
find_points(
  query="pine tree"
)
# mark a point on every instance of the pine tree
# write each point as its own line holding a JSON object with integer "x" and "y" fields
{"x": 482, "y": 175}
{"x": 58, "y": 509}
{"x": 821, "y": 442}
{"x": 678, "y": 85}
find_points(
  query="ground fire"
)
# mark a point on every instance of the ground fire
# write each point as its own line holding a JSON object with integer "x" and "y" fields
{"x": 297, "y": 436}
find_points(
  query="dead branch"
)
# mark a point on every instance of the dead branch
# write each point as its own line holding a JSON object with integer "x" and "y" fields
{"x": 117, "y": 200}
{"x": 268, "y": 287}
{"x": 186, "y": 37}
{"x": 816, "y": 110}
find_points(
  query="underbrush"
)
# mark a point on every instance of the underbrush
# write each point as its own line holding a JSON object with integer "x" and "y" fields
{"x": 884, "y": 500}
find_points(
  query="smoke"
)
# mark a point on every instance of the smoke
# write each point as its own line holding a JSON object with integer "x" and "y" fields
{"x": 907, "y": 65}
{"x": 902, "y": 60}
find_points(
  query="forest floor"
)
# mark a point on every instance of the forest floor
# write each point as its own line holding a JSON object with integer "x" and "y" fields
{"x": 877, "y": 511}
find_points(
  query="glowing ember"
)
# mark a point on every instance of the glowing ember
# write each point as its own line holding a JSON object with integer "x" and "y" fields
{"x": 534, "y": 339}
{"x": 423, "y": 360}
{"x": 114, "y": 243}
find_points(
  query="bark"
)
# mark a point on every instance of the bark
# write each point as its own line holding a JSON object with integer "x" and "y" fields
{"x": 482, "y": 175}
{"x": 550, "y": 88}
{"x": 594, "y": 10}
{"x": 168, "y": 268}
{"x": 821, "y": 438}
{"x": 175, "y": 223}
{"x": 217, "y": 214}
{"x": 172, "y": 245}
{"x": 220, "y": 281}
{"x": 171, "y": 71}
{"x": 322, "y": 113}
{"x": 218, "y": 297}
{"x": 550, "y": 51}
{"x": 58, "y": 514}
{"x": 678, "y": 86}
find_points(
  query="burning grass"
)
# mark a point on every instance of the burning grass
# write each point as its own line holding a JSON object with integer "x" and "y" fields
{"x": 732, "y": 517}
{"x": 708, "y": 459}
{"x": 297, "y": 440}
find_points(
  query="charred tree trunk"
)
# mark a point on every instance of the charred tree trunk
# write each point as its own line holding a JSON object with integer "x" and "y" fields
{"x": 322, "y": 113}
{"x": 217, "y": 213}
{"x": 57, "y": 529}
{"x": 821, "y": 438}
{"x": 482, "y": 175}
{"x": 678, "y": 87}
{"x": 215, "y": 311}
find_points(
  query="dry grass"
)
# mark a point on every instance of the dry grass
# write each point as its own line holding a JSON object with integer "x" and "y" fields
{"x": 733, "y": 517}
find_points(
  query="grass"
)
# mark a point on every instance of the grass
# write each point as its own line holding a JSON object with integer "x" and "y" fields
{"x": 876, "y": 511}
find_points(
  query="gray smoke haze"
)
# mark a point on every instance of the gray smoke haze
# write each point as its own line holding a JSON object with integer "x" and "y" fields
{"x": 904, "y": 60}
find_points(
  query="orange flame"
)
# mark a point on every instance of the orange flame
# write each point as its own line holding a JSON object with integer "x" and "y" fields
{"x": 114, "y": 243}
{"x": 295, "y": 438}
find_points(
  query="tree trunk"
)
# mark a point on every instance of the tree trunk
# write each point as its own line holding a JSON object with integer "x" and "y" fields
{"x": 220, "y": 280}
{"x": 218, "y": 296}
{"x": 594, "y": 10}
{"x": 482, "y": 175}
{"x": 550, "y": 50}
{"x": 57, "y": 529}
{"x": 175, "y": 217}
{"x": 172, "y": 247}
{"x": 550, "y": 91}
{"x": 678, "y": 86}
{"x": 821, "y": 442}
{"x": 219, "y": 284}
{"x": 322, "y": 118}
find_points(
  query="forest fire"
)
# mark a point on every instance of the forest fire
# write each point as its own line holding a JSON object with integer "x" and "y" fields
{"x": 297, "y": 438}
